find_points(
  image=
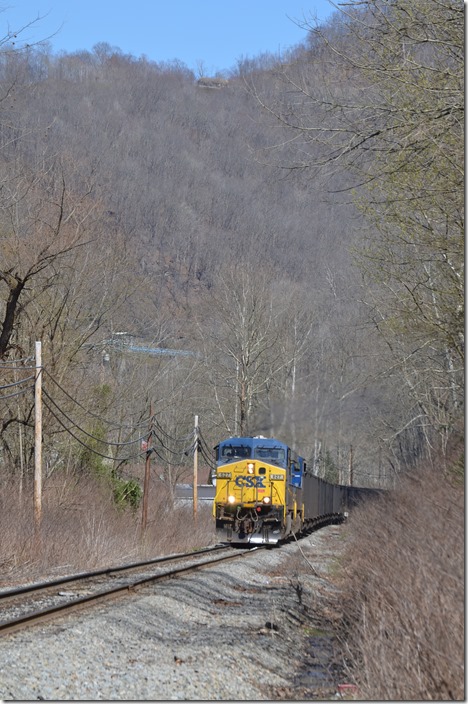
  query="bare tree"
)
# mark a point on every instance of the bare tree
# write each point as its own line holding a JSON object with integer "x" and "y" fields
{"x": 379, "y": 97}
{"x": 241, "y": 343}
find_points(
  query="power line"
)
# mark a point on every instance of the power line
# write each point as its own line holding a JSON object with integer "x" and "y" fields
{"x": 169, "y": 437}
{"x": 17, "y": 393}
{"x": 58, "y": 413}
{"x": 104, "y": 420}
{"x": 208, "y": 461}
{"x": 205, "y": 451}
{"x": 17, "y": 383}
{"x": 8, "y": 364}
{"x": 95, "y": 452}
{"x": 93, "y": 437}
{"x": 164, "y": 459}
{"x": 168, "y": 449}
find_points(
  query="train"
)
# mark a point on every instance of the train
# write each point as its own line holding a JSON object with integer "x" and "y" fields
{"x": 266, "y": 494}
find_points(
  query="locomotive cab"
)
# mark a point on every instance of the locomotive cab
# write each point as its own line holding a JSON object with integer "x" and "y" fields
{"x": 298, "y": 467}
{"x": 251, "y": 479}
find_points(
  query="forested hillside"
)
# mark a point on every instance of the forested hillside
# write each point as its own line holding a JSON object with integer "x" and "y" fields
{"x": 296, "y": 229}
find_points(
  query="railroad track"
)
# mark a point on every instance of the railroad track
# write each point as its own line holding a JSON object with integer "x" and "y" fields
{"x": 37, "y": 603}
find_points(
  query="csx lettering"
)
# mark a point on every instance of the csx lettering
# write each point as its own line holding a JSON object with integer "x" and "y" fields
{"x": 247, "y": 480}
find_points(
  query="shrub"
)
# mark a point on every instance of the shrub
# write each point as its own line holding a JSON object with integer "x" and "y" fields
{"x": 404, "y": 592}
{"x": 83, "y": 528}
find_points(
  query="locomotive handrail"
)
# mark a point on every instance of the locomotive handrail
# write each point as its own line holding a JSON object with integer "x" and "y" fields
{"x": 275, "y": 488}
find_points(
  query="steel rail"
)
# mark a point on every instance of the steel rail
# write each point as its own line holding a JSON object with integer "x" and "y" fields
{"x": 38, "y": 586}
{"x": 44, "y": 615}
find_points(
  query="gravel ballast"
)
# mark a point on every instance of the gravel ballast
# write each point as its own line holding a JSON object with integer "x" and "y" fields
{"x": 242, "y": 630}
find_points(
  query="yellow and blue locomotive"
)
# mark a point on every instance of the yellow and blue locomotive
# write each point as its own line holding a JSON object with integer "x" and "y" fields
{"x": 265, "y": 493}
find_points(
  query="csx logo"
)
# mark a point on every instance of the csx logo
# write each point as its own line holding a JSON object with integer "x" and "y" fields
{"x": 247, "y": 480}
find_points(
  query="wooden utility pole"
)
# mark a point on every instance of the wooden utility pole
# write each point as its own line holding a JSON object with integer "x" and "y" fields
{"x": 351, "y": 467}
{"x": 144, "y": 513}
{"x": 195, "y": 470}
{"x": 38, "y": 439}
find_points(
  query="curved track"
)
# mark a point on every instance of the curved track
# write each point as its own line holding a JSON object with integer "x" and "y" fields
{"x": 36, "y": 603}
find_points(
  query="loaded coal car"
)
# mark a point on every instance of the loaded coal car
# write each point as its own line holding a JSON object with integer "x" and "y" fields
{"x": 354, "y": 495}
{"x": 265, "y": 493}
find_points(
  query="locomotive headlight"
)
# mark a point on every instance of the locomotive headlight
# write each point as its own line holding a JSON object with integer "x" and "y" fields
{"x": 250, "y": 468}
{"x": 231, "y": 499}
{"x": 266, "y": 500}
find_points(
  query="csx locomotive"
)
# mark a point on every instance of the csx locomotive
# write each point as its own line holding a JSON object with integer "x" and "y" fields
{"x": 265, "y": 493}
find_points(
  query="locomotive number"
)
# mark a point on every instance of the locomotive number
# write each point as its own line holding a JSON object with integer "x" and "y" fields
{"x": 250, "y": 481}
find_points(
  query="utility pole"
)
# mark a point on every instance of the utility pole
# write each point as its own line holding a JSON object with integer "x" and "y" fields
{"x": 38, "y": 439}
{"x": 195, "y": 470}
{"x": 144, "y": 513}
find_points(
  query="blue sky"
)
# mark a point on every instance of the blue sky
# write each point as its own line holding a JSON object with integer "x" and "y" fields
{"x": 215, "y": 33}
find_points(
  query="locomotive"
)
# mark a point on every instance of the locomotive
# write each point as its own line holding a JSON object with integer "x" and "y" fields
{"x": 265, "y": 493}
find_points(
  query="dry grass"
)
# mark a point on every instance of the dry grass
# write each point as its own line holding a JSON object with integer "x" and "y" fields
{"x": 82, "y": 529}
{"x": 403, "y": 592}
{"x": 401, "y": 596}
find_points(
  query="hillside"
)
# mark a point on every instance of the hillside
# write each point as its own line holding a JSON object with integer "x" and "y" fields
{"x": 138, "y": 199}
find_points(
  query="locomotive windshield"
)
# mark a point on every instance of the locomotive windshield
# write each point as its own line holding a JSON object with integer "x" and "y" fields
{"x": 228, "y": 453}
{"x": 275, "y": 455}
